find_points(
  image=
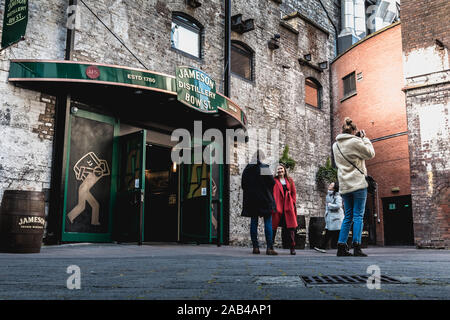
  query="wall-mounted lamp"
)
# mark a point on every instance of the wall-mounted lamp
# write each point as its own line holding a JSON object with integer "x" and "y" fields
{"x": 307, "y": 57}
{"x": 440, "y": 44}
{"x": 74, "y": 110}
{"x": 194, "y": 3}
{"x": 273, "y": 43}
{"x": 323, "y": 65}
{"x": 174, "y": 167}
{"x": 240, "y": 26}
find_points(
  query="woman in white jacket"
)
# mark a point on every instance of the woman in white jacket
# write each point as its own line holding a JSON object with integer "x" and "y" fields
{"x": 334, "y": 214}
{"x": 350, "y": 150}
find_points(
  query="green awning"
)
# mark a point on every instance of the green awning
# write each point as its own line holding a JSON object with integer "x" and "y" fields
{"x": 46, "y": 72}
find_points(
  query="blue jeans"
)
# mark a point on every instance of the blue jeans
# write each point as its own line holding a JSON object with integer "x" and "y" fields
{"x": 354, "y": 205}
{"x": 267, "y": 231}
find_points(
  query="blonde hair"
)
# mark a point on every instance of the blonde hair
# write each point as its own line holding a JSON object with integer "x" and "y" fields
{"x": 348, "y": 126}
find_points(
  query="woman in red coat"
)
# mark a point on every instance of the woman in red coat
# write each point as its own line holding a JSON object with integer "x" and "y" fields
{"x": 285, "y": 197}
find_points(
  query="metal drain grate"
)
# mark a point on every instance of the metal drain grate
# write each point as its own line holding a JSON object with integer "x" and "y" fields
{"x": 344, "y": 279}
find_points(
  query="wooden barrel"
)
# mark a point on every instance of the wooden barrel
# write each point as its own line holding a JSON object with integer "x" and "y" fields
{"x": 22, "y": 221}
{"x": 316, "y": 226}
{"x": 364, "y": 237}
{"x": 300, "y": 232}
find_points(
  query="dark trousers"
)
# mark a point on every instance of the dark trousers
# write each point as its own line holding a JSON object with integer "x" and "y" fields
{"x": 329, "y": 234}
{"x": 267, "y": 231}
{"x": 291, "y": 235}
{"x": 285, "y": 229}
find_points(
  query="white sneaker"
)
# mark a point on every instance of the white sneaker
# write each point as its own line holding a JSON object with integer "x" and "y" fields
{"x": 320, "y": 250}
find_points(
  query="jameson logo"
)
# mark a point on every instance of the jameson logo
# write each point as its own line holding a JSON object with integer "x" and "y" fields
{"x": 196, "y": 89}
{"x": 30, "y": 222}
{"x": 14, "y": 21}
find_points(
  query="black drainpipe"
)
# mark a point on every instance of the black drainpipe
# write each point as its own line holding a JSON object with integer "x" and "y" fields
{"x": 226, "y": 92}
{"x": 226, "y": 89}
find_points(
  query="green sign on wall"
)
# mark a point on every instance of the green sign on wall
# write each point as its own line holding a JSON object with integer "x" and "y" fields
{"x": 196, "y": 89}
{"x": 15, "y": 21}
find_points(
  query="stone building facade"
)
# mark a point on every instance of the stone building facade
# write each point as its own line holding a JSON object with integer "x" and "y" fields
{"x": 27, "y": 117}
{"x": 274, "y": 99}
{"x": 426, "y": 40}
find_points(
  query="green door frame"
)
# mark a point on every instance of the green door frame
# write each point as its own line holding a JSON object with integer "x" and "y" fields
{"x": 209, "y": 213}
{"x": 123, "y": 140}
{"x": 220, "y": 198}
{"x": 92, "y": 237}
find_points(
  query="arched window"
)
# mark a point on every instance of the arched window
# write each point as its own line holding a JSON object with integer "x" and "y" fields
{"x": 186, "y": 34}
{"x": 242, "y": 60}
{"x": 313, "y": 93}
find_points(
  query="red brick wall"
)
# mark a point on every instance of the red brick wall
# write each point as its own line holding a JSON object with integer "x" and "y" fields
{"x": 423, "y": 22}
{"x": 378, "y": 107}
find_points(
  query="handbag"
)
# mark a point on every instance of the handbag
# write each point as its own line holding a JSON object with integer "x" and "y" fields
{"x": 372, "y": 184}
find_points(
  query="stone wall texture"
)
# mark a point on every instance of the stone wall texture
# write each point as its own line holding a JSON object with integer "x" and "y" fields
{"x": 27, "y": 117}
{"x": 426, "y": 37}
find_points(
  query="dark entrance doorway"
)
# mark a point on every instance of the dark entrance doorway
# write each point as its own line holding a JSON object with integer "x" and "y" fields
{"x": 201, "y": 194}
{"x": 398, "y": 221}
{"x": 161, "y": 195}
{"x": 129, "y": 218}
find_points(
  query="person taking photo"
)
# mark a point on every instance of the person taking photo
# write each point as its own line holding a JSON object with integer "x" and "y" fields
{"x": 350, "y": 150}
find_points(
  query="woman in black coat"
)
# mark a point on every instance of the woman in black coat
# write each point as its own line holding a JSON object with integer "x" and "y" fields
{"x": 258, "y": 201}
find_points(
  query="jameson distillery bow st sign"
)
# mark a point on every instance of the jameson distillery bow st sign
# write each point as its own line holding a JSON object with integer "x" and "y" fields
{"x": 15, "y": 21}
{"x": 196, "y": 89}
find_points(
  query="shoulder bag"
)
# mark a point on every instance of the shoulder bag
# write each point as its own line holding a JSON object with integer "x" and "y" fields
{"x": 370, "y": 180}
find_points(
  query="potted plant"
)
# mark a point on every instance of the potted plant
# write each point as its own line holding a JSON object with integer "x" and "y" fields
{"x": 326, "y": 175}
{"x": 286, "y": 160}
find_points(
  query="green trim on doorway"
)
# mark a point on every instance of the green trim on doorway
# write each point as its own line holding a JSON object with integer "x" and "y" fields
{"x": 91, "y": 237}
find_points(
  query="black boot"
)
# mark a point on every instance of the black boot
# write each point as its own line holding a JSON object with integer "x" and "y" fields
{"x": 357, "y": 252}
{"x": 342, "y": 250}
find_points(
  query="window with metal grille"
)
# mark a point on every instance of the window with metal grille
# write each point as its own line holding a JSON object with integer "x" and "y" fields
{"x": 186, "y": 35}
{"x": 242, "y": 60}
{"x": 349, "y": 84}
{"x": 313, "y": 93}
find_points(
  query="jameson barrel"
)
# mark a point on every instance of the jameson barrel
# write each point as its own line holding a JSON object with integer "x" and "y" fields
{"x": 22, "y": 220}
{"x": 316, "y": 226}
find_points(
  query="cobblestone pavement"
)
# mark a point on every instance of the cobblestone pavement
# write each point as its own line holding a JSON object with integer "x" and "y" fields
{"x": 176, "y": 271}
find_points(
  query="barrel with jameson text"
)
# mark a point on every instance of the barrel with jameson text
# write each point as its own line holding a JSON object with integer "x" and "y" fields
{"x": 22, "y": 221}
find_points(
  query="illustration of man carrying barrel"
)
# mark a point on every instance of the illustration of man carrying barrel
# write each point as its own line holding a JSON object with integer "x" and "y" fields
{"x": 88, "y": 169}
